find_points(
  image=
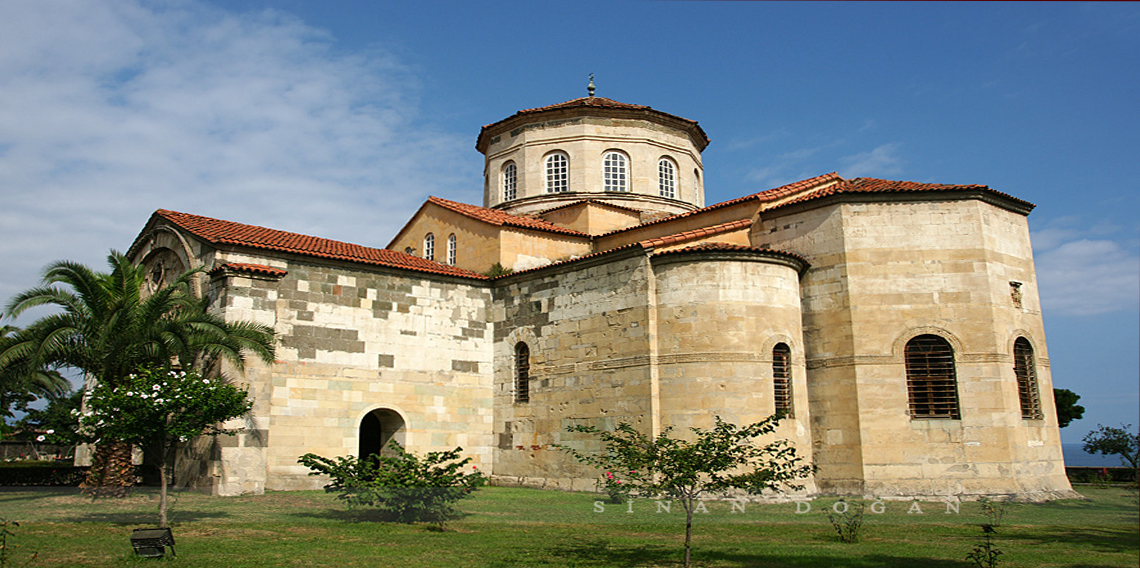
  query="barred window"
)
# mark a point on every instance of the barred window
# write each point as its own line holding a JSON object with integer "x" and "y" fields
{"x": 667, "y": 178}
{"x": 615, "y": 176}
{"x": 931, "y": 382}
{"x": 522, "y": 373}
{"x": 782, "y": 379}
{"x": 557, "y": 173}
{"x": 1025, "y": 368}
{"x": 429, "y": 246}
{"x": 451, "y": 249}
{"x": 510, "y": 181}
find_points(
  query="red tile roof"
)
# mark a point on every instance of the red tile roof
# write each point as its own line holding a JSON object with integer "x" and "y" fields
{"x": 768, "y": 195}
{"x": 706, "y": 247}
{"x": 500, "y": 218}
{"x": 590, "y": 202}
{"x": 251, "y": 268}
{"x": 216, "y": 231}
{"x": 874, "y": 185}
{"x": 697, "y": 233}
{"x": 602, "y": 103}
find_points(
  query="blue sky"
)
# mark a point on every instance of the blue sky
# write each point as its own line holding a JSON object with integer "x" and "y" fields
{"x": 339, "y": 118}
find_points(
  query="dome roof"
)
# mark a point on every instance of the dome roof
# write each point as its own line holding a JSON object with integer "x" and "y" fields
{"x": 592, "y": 106}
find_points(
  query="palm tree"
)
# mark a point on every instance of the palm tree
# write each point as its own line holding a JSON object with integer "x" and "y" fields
{"x": 108, "y": 328}
{"x": 20, "y": 383}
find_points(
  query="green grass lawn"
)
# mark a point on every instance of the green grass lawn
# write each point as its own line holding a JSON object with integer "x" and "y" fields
{"x": 508, "y": 527}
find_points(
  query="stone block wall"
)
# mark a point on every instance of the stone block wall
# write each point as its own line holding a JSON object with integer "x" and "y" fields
{"x": 585, "y": 326}
{"x": 903, "y": 269}
{"x": 353, "y": 341}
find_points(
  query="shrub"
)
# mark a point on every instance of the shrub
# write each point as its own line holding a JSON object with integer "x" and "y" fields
{"x": 403, "y": 487}
{"x": 846, "y": 522}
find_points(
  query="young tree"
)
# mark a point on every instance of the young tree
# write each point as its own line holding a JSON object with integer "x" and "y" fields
{"x": 1067, "y": 408}
{"x": 1112, "y": 441}
{"x": 108, "y": 327}
{"x": 716, "y": 460}
{"x": 156, "y": 409}
{"x": 403, "y": 487}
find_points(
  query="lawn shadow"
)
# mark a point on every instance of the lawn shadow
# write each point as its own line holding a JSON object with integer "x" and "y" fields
{"x": 601, "y": 552}
{"x": 1103, "y": 539}
{"x": 361, "y": 516}
{"x": 143, "y": 518}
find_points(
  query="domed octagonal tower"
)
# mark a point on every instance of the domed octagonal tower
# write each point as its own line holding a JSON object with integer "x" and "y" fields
{"x": 593, "y": 148}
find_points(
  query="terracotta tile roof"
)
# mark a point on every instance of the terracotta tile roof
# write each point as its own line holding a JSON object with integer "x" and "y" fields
{"x": 575, "y": 259}
{"x": 874, "y": 185}
{"x": 590, "y": 202}
{"x": 705, "y": 247}
{"x": 216, "y": 231}
{"x": 251, "y": 268}
{"x": 697, "y": 233}
{"x": 496, "y": 217}
{"x": 767, "y": 195}
{"x": 692, "y": 126}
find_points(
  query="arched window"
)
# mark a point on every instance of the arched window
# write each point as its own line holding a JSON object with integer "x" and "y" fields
{"x": 451, "y": 249}
{"x": 666, "y": 178}
{"x": 615, "y": 172}
{"x": 931, "y": 382}
{"x": 696, "y": 183}
{"x": 1025, "y": 368}
{"x": 782, "y": 379}
{"x": 557, "y": 173}
{"x": 429, "y": 246}
{"x": 522, "y": 373}
{"x": 510, "y": 181}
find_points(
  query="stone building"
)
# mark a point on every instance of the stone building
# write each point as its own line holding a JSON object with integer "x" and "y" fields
{"x": 896, "y": 324}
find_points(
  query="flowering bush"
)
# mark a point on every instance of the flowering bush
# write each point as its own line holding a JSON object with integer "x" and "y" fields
{"x": 618, "y": 492}
{"x": 155, "y": 406}
{"x": 156, "y": 409}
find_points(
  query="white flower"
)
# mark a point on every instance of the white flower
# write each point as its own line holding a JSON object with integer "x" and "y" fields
{"x": 205, "y": 381}
{"x": 130, "y": 393}
{"x": 51, "y": 431}
{"x": 159, "y": 400}
{"x": 40, "y": 438}
{"x": 155, "y": 387}
{"x": 143, "y": 396}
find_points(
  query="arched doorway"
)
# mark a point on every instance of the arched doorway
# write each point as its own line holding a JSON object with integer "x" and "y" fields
{"x": 377, "y": 429}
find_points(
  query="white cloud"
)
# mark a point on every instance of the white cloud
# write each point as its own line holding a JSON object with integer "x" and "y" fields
{"x": 883, "y": 160}
{"x": 112, "y": 109}
{"x": 1088, "y": 277}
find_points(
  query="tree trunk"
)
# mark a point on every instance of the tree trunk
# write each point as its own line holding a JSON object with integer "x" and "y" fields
{"x": 111, "y": 473}
{"x": 688, "y": 530}
{"x": 164, "y": 473}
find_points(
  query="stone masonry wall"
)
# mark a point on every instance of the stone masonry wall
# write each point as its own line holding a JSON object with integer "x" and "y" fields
{"x": 935, "y": 267}
{"x": 585, "y": 326}
{"x": 352, "y": 341}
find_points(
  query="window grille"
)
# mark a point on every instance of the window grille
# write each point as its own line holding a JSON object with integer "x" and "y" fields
{"x": 667, "y": 179}
{"x": 451, "y": 249}
{"x": 1025, "y": 368}
{"x": 931, "y": 381}
{"x": 782, "y": 379}
{"x": 522, "y": 373}
{"x": 429, "y": 246}
{"x": 614, "y": 174}
{"x": 557, "y": 173}
{"x": 510, "y": 181}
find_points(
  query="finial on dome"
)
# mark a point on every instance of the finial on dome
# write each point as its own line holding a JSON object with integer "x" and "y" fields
{"x": 591, "y": 88}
